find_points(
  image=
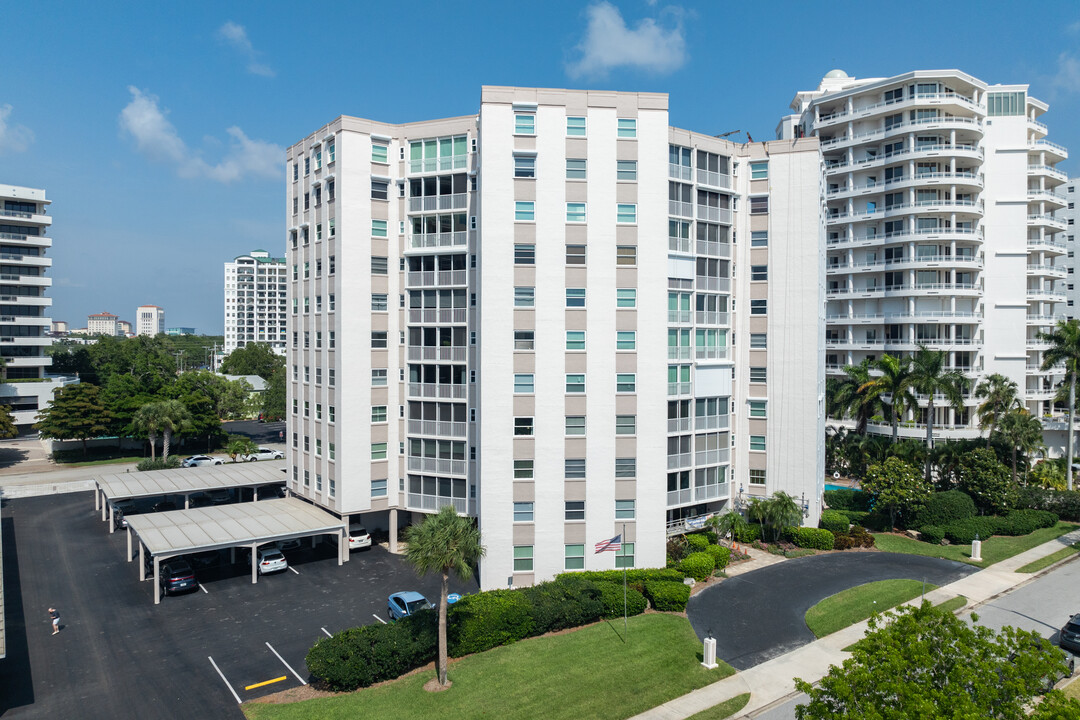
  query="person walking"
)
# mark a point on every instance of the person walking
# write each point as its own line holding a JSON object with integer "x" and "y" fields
{"x": 55, "y": 617}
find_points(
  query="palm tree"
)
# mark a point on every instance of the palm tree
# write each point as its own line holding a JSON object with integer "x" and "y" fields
{"x": 174, "y": 417}
{"x": 893, "y": 380}
{"x": 998, "y": 394}
{"x": 730, "y": 523}
{"x": 444, "y": 543}
{"x": 147, "y": 420}
{"x": 931, "y": 376}
{"x": 1064, "y": 349}
{"x": 1023, "y": 433}
{"x": 850, "y": 398}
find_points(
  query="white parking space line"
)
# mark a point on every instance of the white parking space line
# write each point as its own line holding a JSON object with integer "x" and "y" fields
{"x": 293, "y": 569}
{"x": 203, "y": 589}
{"x": 302, "y": 681}
{"x": 378, "y": 618}
{"x": 327, "y": 632}
{"x": 223, "y": 678}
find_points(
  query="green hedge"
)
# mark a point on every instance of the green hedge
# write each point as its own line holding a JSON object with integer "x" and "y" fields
{"x": 366, "y": 655}
{"x": 847, "y": 499}
{"x": 813, "y": 538}
{"x": 634, "y": 578}
{"x": 1063, "y": 502}
{"x": 611, "y": 596}
{"x": 565, "y": 603}
{"x": 943, "y": 508}
{"x": 699, "y": 565}
{"x": 485, "y": 620}
{"x": 748, "y": 533}
{"x": 963, "y": 532}
{"x": 721, "y": 555}
{"x": 834, "y": 521}
{"x": 697, "y": 542}
{"x": 855, "y": 538}
{"x": 171, "y": 463}
{"x": 667, "y": 596}
{"x": 932, "y": 534}
{"x": 855, "y": 517}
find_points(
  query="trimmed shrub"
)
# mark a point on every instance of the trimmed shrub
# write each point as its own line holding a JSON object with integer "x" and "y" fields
{"x": 698, "y": 565}
{"x": 563, "y": 603}
{"x": 812, "y": 538}
{"x": 485, "y": 620}
{"x": 1025, "y": 522}
{"x": 863, "y": 538}
{"x": 877, "y": 521}
{"x": 363, "y": 656}
{"x": 932, "y": 534}
{"x": 963, "y": 532}
{"x": 946, "y": 507}
{"x": 667, "y": 596}
{"x": 847, "y": 499}
{"x": 158, "y": 464}
{"x": 721, "y": 555}
{"x": 611, "y": 597}
{"x": 696, "y": 543}
{"x": 855, "y": 517}
{"x": 635, "y": 577}
{"x": 710, "y": 536}
{"x": 678, "y": 548}
{"x": 834, "y": 521}
{"x": 748, "y": 533}
{"x": 1066, "y": 504}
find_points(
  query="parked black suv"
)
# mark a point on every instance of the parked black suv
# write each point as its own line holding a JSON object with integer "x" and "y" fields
{"x": 1069, "y": 638}
{"x": 177, "y": 576}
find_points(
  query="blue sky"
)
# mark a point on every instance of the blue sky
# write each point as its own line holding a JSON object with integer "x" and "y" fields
{"x": 158, "y": 129}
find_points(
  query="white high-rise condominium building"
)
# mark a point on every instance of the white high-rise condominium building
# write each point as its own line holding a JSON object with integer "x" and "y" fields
{"x": 149, "y": 320}
{"x": 24, "y": 315}
{"x": 1071, "y": 214}
{"x": 488, "y": 305}
{"x": 941, "y": 228}
{"x": 255, "y": 289}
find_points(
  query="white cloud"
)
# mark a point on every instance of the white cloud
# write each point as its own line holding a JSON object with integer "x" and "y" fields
{"x": 236, "y": 36}
{"x": 609, "y": 43}
{"x": 157, "y": 138}
{"x": 14, "y": 138}
{"x": 1067, "y": 78}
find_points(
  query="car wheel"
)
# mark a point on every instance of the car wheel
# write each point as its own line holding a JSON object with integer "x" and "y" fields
{"x": 219, "y": 462}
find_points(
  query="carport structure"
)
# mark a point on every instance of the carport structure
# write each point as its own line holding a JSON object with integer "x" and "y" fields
{"x": 179, "y": 532}
{"x": 182, "y": 481}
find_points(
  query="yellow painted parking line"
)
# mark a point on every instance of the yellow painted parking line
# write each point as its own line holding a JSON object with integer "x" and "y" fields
{"x": 266, "y": 682}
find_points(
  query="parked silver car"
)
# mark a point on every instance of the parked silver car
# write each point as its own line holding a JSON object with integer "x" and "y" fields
{"x": 265, "y": 454}
{"x": 200, "y": 461}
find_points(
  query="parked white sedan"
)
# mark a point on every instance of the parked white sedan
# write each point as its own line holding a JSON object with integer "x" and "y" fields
{"x": 265, "y": 454}
{"x": 271, "y": 560}
{"x": 200, "y": 461}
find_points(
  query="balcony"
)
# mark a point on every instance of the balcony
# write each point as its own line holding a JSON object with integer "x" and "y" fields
{"x": 436, "y": 278}
{"x": 929, "y": 99}
{"x": 446, "y": 391}
{"x": 921, "y": 317}
{"x": 966, "y": 289}
{"x": 921, "y": 179}
{"x": 678, "y": 208}
{"x": 679, "y": 425}
{"x": 432, "y": 503}
{"x": 1045, "y": 196}
{"x": 703, "y": 352}
{"x": 715, "y": 456}
{"x": 680, "y": 172}
{"x": 1044, "y": 320}
{"x": 713, "y": 179}
{"x": 715, "y": 284}
{"x": 713, "y": 249}
{"x": 678, "y": 352}
{"x": 1047, "y": 245}
{"x": 1048, "y": 171}
{"x": 966, "y": 234}
{"x": 680, "y": 245}
{"x": 1058, "y": 151}
{"x": 448, "y": 353}
{"x": 680, "y": 461}
{"x": 714, "y": 214}
{"x": 679, "y": 317}
{"x": 1056, "y": 296}
{"x": 697, "y": 494}
{"x": 440, "y": 466}
{"x": 676, "y": 389}
{"x": 712, "y": 422}
{"x": 459, "y": 238}
{"x": 36, "y": 240}
{"x": 26, "y": 341}
{"x": 1053, "y": 271}
{"x": 833, "y": 165}
{"x": 458, "y": 201}
{"x": 440, "y": 316}
{"x": 710, "y": 317}
{"x": 440, "y": 164}
{"x": 924, "y": 261}
{"x": 951, "y": 122}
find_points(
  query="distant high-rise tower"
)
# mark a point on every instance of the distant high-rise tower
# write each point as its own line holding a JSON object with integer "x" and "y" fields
{"x": 149, "y": 320}
{"x": 255, "y": 301}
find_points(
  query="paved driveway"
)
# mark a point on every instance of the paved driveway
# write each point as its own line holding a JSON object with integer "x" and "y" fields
{"x": 760, "y": 615}
{"x": 120, "y": 656}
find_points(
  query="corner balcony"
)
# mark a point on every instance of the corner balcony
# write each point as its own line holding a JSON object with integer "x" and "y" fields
{"x": 27, "y": 280}
{"x": 697, "y": 494}
{"x": 34, "y": 240}
{"x": 1045, "y": 244}
{"x": 926, "y": 261}
{"x": 26, "y": 341}
{"x": 963, "y": 234}
{"x": 1047, "y": 171}
{"x": 965, "y": 179}
{"x": 1043, "y": 320}
{"x": 834, "y": 164}
{"x": 1045, "y": 196}
{"x": 931, "y": 317}
{"x": 972, "y": 125}
{"x": 1050, "y": 271}
{"x": 1047, "y": 222}
{"x": 1054, "y": 296}
{"x": 24, "y": 320}
{"x": 34, "y": 217}
{"x": 943, "y": 205}
{"x": 870, "y": 344}
{"x": 951, "y": 100}
{"x": 1055, "y": 151}
{"x": 918, "y": 289}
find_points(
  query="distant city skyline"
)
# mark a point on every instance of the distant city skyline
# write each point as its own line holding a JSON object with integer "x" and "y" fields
{"x": 161, "y": 139}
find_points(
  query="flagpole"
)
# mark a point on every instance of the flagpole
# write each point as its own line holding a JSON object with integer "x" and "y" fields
{"x": 625, "y": 631}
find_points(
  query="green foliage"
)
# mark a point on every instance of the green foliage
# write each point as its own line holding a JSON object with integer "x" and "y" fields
{"x": 1064, "y": 503}
{"x": 721, "y": 555}
{"x": 897, "y": 487}
{"x": 697, "y": 542}
{"x": 239, "y": 446}
{"x": 635, "y": 578}
{"x": 7, "y": 423}
{"x": 942, "y": 508}
{"x": 855, "y": 517}
{"x": 812, "y": 538}
{"x": 611, "y": 597}
{"x": 489, "y": 619}
{"x": 748, "y": 533}
{"x": 667, "y": 596}
{"x": 168, "y": 463}
{"x": 699, "y": 565}
{"x": 730, "y": 523}
{"x": 567, "y": 602}
{"x": 986, "y": 480}
{"x": 932, "y": 534}
{"x": 834, "y": 521}
{"x": 76, "y": 412}
{"x": 273, "y": 397}
{"x": 963, "y": 532}
{"x": 857, "y": 537}
{"x": 878, "y": 521}
{"x": 1025, "y": 522}
{"x": 677, "y": 548}
{"x": 847, "y": 499}
{"x": 1049, "y": 474}
{"x": 926, "y": 663}
{"x": 253, "y": 359}
{"x": 362, "y": 656}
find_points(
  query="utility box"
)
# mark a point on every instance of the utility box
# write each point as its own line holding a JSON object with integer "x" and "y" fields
{"x": 709, "y": 653}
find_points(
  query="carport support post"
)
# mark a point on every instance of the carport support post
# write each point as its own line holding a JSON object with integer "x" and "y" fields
{"x": 393, "y": 530}
{"x": 254, "y": 564}
{"x": 142, "y": 561}
{"x": 97, "y": 498}
{"x": 342, "y": 546}
{"x": 187, "y": 501}
{"x": 129, "y": 543}
{"x": 112, "y": 518}
{"x": 157, "y": 585}
{"x": 102, "y": 506}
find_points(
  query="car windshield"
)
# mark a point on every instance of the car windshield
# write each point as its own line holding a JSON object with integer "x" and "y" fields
{"x": 1073, "y": 626}
{"x": 415, "y": 605}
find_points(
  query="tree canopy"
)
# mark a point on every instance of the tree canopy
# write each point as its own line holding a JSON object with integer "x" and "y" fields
{"x": 896, "y": 484}
{"x": 253, "y": 359}
{"x": 75, "y": 413}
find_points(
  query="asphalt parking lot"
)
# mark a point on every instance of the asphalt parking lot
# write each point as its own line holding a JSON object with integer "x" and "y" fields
{"x": 118, "y": 655}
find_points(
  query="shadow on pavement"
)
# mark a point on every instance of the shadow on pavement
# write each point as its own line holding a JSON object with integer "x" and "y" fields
{"x": 16, "y": 681}
{"x": 10, "y": 456}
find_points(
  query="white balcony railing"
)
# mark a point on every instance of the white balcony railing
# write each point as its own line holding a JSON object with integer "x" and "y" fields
{"x": 438, "y": 315}
{"x": 458, "y": 238}
{"x": 441, "y": 466}
{"x": 457, "y": 201}
{"x": 450, "y": 353}
{"x": 438, "y": 390}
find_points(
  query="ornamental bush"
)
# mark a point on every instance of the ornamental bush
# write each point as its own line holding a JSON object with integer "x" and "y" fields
{"x": 748, "y": 533}
{"x": 813, "y": 538}
{"x": 847, "y": 499}
{"x": 696, "y": 543}
{"x": 366, "y": 655}
{"x": 932, "y": 534}
{"x": 863, "y": 538}
{"x": 855, "y": 517}
{"x": 946, "y": 507}
{"x": 699, "y": 566}
{"x": 667, "y": 596}
{"x": 1025, "y": 522}
{"x": 567, "y": 602}
{"x": 1063, "y": 502}
{"x": 721, "y": 555}
{"x": 963, "y": 532}
{"x": 834, "y": 521}
{"x": 611, "y": 597}
{"x": 634, "y": 577}
{"x": 485, "y": 620}
{"x": 172, "y": 462}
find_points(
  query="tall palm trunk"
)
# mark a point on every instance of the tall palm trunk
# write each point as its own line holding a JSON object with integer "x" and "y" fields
{"x": 1069, "y": 440}
{"x": 442, "y": 628}
{"x": 929, "y": 434}
{"x": 153, "y": 446}
{"x": 895, "y": 422}
{"x": 167, "y": 435}
{"x": 1014, "y": 464}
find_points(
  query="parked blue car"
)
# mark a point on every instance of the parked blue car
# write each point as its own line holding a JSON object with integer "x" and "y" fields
{"x": 405, "y": 603}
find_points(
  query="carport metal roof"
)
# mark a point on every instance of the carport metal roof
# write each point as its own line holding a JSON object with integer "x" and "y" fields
{"x": 180, "y": 531}
{"x": 180, "y": 481}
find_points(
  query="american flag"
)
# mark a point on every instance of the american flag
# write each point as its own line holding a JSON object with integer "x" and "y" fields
{"x": 613, "y": 544}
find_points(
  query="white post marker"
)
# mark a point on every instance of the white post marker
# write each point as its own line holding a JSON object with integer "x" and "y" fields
{"x": 709, "y": 653}
{"x": 976, "y": 550}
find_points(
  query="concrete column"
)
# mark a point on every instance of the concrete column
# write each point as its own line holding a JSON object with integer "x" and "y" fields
{"x": 232, "y": 555}
{"x": 393, "y": 530}
{"x": 97, "y": 498}
{"x": 112, "y": 518}
{"x": 157, "y": 585}
{"x": 129, "y": 543}
{"x": 103, "y": 503}
{"x": 254, "y": 564}
{"x": 142, "y": 561}
{"x": 343, "y": 547}
{"x": 187, "y": 501}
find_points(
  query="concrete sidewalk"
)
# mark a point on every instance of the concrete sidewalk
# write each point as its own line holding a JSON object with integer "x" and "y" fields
{"x": 773, "y": 681}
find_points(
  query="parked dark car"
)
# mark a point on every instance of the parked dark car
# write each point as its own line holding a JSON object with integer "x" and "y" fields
{"x": 164, "y": 505}
{"x": 121, "y": 509}
{"x": 1069, "y": 638}
{"x": 271, "y": 492}
{"x": 177, "y": 576}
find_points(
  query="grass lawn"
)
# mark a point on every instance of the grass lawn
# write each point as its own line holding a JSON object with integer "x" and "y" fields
{"x": 858, "y": 603}
{"x": 589, "y": 673}
{"x": 1072, "y": 689}
{"x": 994, "y": 550}
{"x": 1050, "y": 559}
{"x": 953, "y": 604}
{"x": 107, "y": 461}
{"x": 724, "y": 709}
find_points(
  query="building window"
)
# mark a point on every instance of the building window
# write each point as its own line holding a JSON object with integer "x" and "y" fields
{"x": 626, "y": 169}
{"x": 524, "y": 124}
{"x": 378, "y": 340}
{"x": 575, "y": 425}
{"x": 318, "y": 447}
{"x": 378, "y": 413}
{"x": 1005, "y": 103}
{"x": 625, "y": 382}
{"x": 380, "y": 189}
{"x": 626, "y": 213}
{"x": 523, "y": 426}
{"x": 378, "y": 377}
{"x": 525, "y": 211}
{"x": 624, "y": 509}
{"x": 759, "y": 272}
{"x": 625, "y": 340}
{"x": 575, "y": 254}
{"x": 627, "y": 128}
{"x": 574, "y": 510}
{"x": 524, "y": 254}
{"x": 524, "y": 166}
{"x": 575, "y": 126}
{"x": 331, "y": 302}
{"x": 379, "y": 153}
{"x": 378, "y": 228}
{"x": 575, "y": 384}
{"x": 378, "y": 451}
{"x": 575, "y": 169}
{"x": 757, "y": 408}
{"x": 574, "y": 557}
{"x": 333, "y": 452}
{"x": 523, "y": 340}
{"x": 759, "y": 170}
{"x": 624, "y": 558}
{"x": 759, "y": 205}
{"x": 626, "y": 298}
{"x": 523, "y": 512}
{"x": 378, "y": 488}
{"x": 626, "y": 424}
{"x": 524, "y": 296}
{"x": 757, "y": 442}
{"x": 757, "y": 477}
{"x": 759, "y": 307}
{"x": 625, "y": 467}
{"x": 523, "y": 383}
{"x": 575, "y": 212}
{"x": 523, "y": 469}
{"x": 757, "y": 341}
{"x": 757, "y": 374}
{"x": 575, "y": 339}
{"x": 626, "y": 255}
{"x": 575, "y": 297}
{"x": 523, "y": 555}
{"x": 378, "y": 302}
{"x": 574, "y": 468}
{"x": 330, "y": 412}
